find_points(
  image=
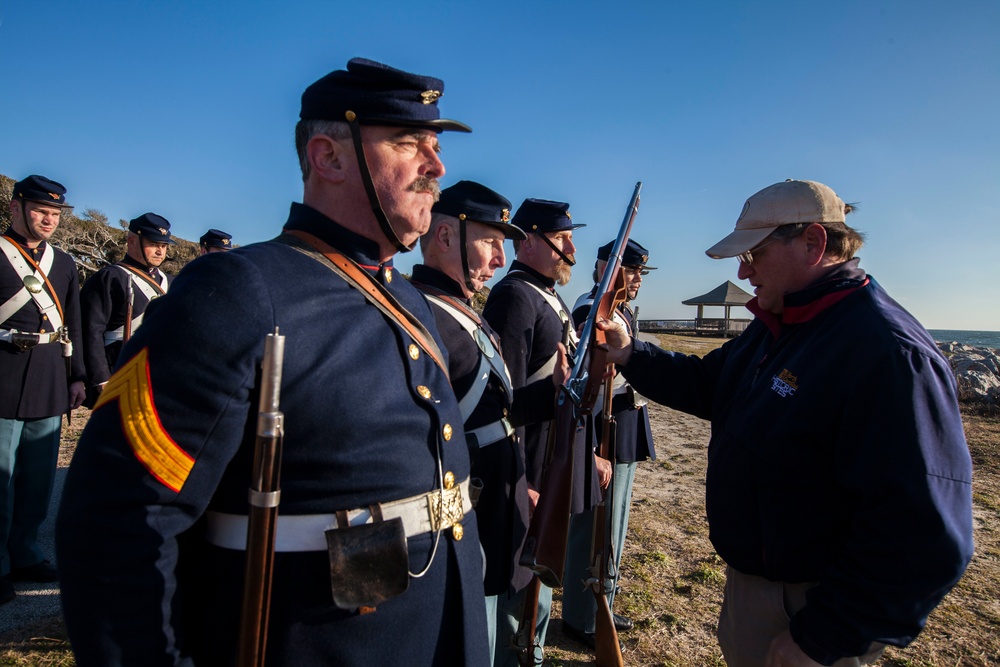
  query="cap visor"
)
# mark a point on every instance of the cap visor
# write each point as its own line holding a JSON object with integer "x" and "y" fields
{"x": 738, "y": 241}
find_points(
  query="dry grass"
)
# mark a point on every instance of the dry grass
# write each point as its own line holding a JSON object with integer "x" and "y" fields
{"x": 672, "y": 579}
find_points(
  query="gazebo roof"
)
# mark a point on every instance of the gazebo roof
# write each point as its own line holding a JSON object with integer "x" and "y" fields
{"x": 726, "y": 294}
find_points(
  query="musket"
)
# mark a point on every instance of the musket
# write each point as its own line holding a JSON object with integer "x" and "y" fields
{"x": 127, "y": 327}
{"x": 525, "y": 640}
{"x": 264, "y": 496}
{"x": 545, "y": 544}
{"x": 602, "y": 560}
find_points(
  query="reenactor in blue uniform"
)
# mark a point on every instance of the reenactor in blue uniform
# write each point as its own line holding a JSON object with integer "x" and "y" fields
{"x": 152, "y": 530}
{"x": 462, "y": 251}
{"x": 215, "y": 240}
{"x": 114, "y": 300}
{"x": 529, "y": 316}
{"x": 41, "y": 365}
{"x": 633, "y": 443}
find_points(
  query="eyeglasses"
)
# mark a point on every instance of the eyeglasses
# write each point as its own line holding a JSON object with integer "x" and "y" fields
{"x": 747, "y": 257}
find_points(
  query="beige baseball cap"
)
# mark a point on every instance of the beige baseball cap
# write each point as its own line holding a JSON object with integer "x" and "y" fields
{"x": 785, "y": 203}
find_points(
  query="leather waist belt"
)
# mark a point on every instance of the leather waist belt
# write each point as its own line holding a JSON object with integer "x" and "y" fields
{"x": 491, "y": 433}
{"x": 28, "y": 339}
{"x": 421, "y": 514}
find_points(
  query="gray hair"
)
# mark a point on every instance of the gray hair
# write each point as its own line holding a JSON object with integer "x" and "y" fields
{"x": 308, "y": 128}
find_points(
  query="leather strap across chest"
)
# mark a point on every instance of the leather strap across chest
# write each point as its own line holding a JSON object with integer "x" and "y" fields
{"x": 361, "y": 280}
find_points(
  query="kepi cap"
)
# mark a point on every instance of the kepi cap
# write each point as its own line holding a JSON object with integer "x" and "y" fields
{"x": 786, "y": 203}
{"x": 41, "y": 190}
{"x": 635, "y": 255}
{"x": 215, "y": 238}
{"x": 468, "y": 200}
{"x": 376, "y": 94}
{"x": 151, "y": 227}
{"x": 536, "y": 216}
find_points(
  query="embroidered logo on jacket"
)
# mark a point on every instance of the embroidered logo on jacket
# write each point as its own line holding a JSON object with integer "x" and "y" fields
{"x": 784, "y": 384}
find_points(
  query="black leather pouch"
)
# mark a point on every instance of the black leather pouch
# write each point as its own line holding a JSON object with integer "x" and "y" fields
{"x": 368, "y": 564}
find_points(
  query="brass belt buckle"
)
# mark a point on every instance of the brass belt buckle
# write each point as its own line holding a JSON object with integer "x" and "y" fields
{"x": 446, "y": 510}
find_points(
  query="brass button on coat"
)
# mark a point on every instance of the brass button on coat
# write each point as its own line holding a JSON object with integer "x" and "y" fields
{"x": 423, "y": 391}
{"x": 446, "y": 432}
{"x": 414, "y": 352}
{"x": 457, "y": 532}
{"x": 449, "y": 480}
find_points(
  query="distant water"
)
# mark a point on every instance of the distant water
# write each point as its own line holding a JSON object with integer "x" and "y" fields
{"x": 977, "y": 338}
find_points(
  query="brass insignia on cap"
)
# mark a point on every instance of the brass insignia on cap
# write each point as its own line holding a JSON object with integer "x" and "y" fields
{"x": 430, "y": 96}
{"x": 568, "y": 215}
{"x": 225, "y": 241}
{"x": 505, "y": 215}
{"x": 645, "y": 258}
{"x": 162, "y": 231}
{"x": 54, "y": 196}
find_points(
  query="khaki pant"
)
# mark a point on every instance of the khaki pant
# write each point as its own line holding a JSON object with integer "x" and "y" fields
{"x": 756, "y": 610}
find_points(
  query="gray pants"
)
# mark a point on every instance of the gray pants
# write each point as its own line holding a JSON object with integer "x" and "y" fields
{"x": 755, "y": 610}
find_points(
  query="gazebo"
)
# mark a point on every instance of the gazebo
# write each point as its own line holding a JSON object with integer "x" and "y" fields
{"x": 726, "y": 295}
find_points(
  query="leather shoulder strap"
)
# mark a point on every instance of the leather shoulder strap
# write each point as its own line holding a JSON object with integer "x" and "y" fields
{"x": 377, "y": 295}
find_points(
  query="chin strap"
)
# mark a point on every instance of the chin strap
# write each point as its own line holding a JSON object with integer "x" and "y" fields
{"x": 465, "y": 253}
{"x": 549, "y": 243}
{"x": 366, "y": 178}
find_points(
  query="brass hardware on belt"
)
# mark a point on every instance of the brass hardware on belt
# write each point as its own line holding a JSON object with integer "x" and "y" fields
{"x": 446, "y": 509}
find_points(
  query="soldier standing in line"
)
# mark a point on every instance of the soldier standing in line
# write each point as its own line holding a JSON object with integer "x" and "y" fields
{"x": 462, "y": 250}
{"x": 529, "y": 316}
{"x": 215, "y": 240}
{"x": 41, "y": 364}
{"x": 114, "y": 300}
{"x": 152, "y": 530}
{"x": 633, "y": 442}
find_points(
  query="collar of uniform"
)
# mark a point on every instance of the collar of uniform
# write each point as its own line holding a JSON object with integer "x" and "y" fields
{"x": 151, "y": 271}
{"x": 426, "y": 275}
{"x": 804, "y": 305}
{"x": 360, "y": 249}
{"x": 544, "y": 280}
{"x": 20, "y": 240}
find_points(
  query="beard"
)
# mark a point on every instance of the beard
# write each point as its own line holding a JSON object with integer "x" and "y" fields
{"x": 426, "y": 184}
{"x": 563, "y": 273}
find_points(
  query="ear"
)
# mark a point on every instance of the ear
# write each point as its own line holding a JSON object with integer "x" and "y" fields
{"x": 328, "y": 158}
{"x": 443, "y": 235}
{"x": 814, "y": 238}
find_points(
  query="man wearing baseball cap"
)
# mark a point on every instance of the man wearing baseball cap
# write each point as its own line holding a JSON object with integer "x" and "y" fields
{"x": 114, "y": 300}
{"x": 839, "y": 481}
{"x": 376, "y": 552}
{"x": 41, "y": 363}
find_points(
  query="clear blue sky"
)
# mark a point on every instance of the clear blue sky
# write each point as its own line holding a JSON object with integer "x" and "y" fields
{"x": 187, "y": 109}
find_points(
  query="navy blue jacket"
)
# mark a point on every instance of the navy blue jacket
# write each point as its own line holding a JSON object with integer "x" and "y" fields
{"x": 530, "y": 331}
{"x": 104, "y": 305}
{"x": 837, "y": 455}
{"x": 502, "y": 511}
{"x": 366, "y": 413}
{"x": 35, "y": 382}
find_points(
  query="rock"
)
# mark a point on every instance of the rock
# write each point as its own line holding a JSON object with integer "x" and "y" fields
{"x": 977, "y": 370}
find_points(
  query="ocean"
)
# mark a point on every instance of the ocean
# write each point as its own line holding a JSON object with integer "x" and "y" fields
{"x": 977, "y": 338}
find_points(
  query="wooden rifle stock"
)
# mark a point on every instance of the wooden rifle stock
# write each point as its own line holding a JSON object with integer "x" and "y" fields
{"x": 525, "y": 640}
{"x": 607, "y": 648}
{"x": 264, "y": 495}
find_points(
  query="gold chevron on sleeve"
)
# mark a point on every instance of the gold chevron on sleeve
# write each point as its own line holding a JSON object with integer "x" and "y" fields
{"x": 163, "y": 457}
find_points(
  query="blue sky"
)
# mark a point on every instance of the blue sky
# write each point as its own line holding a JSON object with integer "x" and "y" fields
{"x": 187, "y": 109}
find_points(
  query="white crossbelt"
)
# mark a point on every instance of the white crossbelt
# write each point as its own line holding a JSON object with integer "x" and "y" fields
{"x": 42, "y": 298}
{"x": 44, "y": 337}
{"x": 307, "y": 532}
